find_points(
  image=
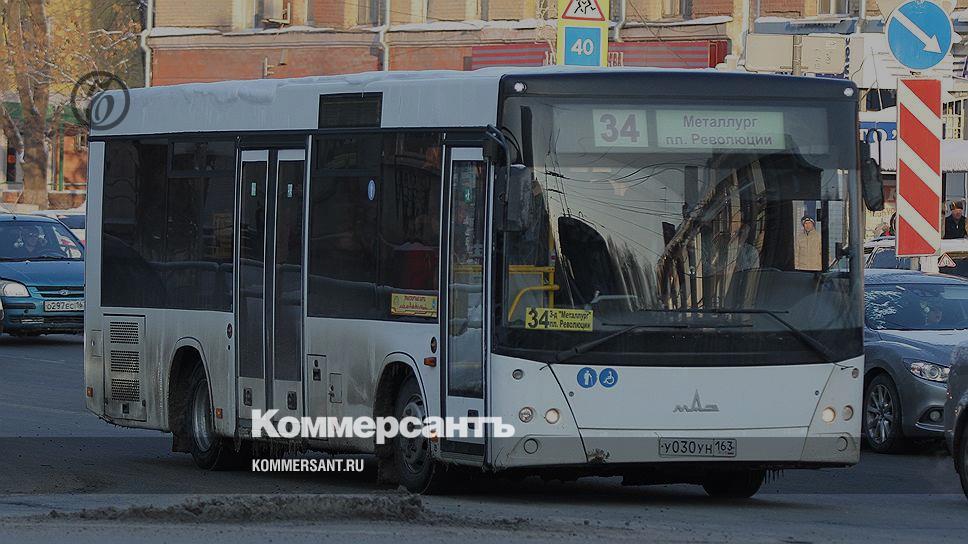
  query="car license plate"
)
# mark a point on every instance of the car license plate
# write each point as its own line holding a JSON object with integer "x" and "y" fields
{"x": 63, "y": 305}
{"x": 697, "y": 447}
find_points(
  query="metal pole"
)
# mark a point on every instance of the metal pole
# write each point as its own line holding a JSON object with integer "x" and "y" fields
{"x": 797, "y": 55}
{"x": 149, "y": 24}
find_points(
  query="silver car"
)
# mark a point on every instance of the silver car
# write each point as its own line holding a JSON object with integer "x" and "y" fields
{"x": 912, "y": 324}
{"x": 956, "y": 414}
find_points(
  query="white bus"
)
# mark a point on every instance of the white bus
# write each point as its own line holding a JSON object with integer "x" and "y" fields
{"x": 653, "y": 274}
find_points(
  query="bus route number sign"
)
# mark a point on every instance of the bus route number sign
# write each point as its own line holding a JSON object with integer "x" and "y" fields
{"x": 559, "y": 319}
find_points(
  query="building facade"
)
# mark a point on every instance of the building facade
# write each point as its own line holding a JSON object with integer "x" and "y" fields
{"x": 250, "y": 39}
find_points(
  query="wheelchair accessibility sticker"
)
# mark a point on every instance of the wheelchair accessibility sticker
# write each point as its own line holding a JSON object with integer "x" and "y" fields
{"x": 588, "y": 377}
{"x": 608, "y": 377}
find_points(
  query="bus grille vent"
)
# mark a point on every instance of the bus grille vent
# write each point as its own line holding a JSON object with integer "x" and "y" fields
{"x": 125, "y": 361}
{"x": 122, "y": 332}
{"x": 126, "y": 369}
{"x": 125, "y": 390}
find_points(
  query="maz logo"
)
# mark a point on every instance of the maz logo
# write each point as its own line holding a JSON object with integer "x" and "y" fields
{"x": 697, "y": 406}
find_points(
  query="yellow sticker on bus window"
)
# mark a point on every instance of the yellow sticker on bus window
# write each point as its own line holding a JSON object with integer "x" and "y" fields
{"x": 559, "y": 319}
{"x": 404, "y": 304}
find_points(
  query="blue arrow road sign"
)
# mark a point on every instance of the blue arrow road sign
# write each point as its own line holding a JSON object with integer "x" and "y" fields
{"x": 919, "y": 34}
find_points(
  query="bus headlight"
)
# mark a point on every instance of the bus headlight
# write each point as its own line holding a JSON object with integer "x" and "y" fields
{"x": 526, "y": 414}
{"x": 847, "y": 413}
{"x": 552, "y": 416}
{"x": 13, "y": 289}
{"x": 829, "y": 414}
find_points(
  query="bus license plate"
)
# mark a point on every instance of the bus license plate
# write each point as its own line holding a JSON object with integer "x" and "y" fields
{"x": 697, "y": 447}
{"x": 63, "y": 305}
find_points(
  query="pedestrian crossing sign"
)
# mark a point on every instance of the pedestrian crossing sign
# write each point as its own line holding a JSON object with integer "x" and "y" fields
{"x": 584, "y": 10}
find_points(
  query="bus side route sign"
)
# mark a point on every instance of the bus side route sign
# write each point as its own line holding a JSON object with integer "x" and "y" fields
{"x": 559, "y": 319}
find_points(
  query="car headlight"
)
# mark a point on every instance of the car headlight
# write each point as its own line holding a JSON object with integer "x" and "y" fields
{"x": 13, "y": 289}
{"x": 929, "y": 371}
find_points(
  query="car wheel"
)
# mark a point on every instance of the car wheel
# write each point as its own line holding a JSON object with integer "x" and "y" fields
{"x": 209, "y": 451}
{"x": 961, "y": 458}
{"x": 416, "y": 468}
{"x": 882, "y": 416}
{"x": 733, "y": 484}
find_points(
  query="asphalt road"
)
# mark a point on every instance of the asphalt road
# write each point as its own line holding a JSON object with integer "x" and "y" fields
{"x": 65, "y": 475}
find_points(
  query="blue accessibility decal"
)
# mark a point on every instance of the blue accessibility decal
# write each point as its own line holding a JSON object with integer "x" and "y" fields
{"x": 608, "y": 377}
{"x": 587, "y": 377}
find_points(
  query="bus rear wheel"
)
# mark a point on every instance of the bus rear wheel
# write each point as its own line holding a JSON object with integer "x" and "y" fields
{"x": 733, "y": 484}
{"x": 209, "y": 451}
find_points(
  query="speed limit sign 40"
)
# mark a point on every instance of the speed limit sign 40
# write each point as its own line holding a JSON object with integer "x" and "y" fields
{"x": 583, "y": 46}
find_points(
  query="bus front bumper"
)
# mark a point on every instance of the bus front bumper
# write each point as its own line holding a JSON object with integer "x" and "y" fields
{"x": 779, "y": 416}
{"x": 788, "y": 447}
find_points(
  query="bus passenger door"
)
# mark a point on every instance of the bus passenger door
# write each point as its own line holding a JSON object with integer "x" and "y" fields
{"x": 464, "y": 330}
{"x": 270, "y": 287}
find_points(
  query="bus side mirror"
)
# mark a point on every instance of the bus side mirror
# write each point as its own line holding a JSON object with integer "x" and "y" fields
{"x": 515, "y": 190}
{"x": 872, "y": 182}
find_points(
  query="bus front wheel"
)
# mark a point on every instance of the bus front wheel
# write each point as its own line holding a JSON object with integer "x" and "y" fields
{"x": 734, "y": 484}
{"x": 209, "y": 451}
{"x": 416, "y": 468}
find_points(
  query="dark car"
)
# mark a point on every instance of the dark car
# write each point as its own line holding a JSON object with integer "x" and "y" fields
{"x": 956, "y": 414}
{"x": 913, "y": 322}
{"x": 41, "y": 277}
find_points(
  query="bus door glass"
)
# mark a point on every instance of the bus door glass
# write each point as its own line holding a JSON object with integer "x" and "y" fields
{"x": 271, "y": 297}
{"x": 251, "y": 284}
{"x": 464, "y": 326}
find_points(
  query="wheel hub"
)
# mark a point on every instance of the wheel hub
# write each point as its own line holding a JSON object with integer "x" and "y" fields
{"x": 880, "y": 414}
{"x": 202, "y": 418}
{"x": 414, "y": 450}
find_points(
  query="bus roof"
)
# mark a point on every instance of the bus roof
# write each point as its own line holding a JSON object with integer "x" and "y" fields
{"x": 410, "y": 99}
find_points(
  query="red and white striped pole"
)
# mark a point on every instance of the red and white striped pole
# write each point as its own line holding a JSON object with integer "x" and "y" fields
{"x": 919, "y": 132}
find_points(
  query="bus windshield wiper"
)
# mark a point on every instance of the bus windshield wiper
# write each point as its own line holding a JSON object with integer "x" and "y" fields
{"x": 805, "y": 338}
{"x": 585, "y": 347}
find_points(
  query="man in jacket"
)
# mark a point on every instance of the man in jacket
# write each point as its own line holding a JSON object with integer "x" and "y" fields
{"x": 954, "y": 224}
{"x": 807, "y": 255}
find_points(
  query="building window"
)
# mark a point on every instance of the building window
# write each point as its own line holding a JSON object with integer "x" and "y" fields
{"x": 671, "y": 8}
{"x": 879, "y": 99}
{"x": 836, "y": 7}
{"x": 953, "y": 116}
{"x": 370, "y": 12}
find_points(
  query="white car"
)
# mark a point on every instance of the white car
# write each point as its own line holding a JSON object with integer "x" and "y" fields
{"x": 951, "y": 259}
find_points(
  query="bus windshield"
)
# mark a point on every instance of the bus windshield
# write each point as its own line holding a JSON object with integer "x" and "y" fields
{"x": 703, "y": 234}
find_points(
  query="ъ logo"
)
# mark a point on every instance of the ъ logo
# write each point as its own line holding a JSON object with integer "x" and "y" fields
{"x": 697, "y": 406}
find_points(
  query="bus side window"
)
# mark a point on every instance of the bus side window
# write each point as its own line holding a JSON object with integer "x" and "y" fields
{"x": 409, "y": 225}
{"x": 375, "y": 226}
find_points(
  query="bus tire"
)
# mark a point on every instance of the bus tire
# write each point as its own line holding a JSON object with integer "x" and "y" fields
{"x": 417, "y": 470}
{"x": 209, "y": 451}
{"x": 733, "y": 484}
